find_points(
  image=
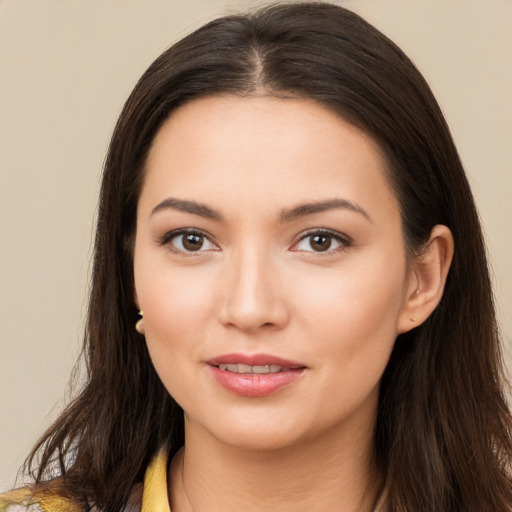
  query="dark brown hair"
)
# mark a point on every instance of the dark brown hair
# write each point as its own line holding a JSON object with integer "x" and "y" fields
{"x": 443, "y": 433}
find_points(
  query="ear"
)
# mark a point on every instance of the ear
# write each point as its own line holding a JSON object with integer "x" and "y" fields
{"x": 427, "y": 277}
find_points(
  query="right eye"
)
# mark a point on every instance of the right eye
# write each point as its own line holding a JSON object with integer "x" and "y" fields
{"x": 189, "y": 242}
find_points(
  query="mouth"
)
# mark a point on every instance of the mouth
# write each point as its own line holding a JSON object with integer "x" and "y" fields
{"x": 257, "y": 375}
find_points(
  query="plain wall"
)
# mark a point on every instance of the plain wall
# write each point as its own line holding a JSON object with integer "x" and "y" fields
{"x": 66, "y": 68}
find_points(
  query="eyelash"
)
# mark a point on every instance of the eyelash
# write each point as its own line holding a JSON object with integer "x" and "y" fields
{"x": 344, "y": 241}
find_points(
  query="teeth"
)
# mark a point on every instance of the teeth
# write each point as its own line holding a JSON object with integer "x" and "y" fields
{"x": 244, "y": 368}
{"x": 269, "y": 368}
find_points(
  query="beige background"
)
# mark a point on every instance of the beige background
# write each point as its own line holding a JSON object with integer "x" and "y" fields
{"x": 66, "y": 68}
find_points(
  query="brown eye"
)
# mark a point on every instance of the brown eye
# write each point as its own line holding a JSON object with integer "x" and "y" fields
{"x": 187, "y": 242}
{"x": 320, "y": 243}
{"x": 192, "y": 242}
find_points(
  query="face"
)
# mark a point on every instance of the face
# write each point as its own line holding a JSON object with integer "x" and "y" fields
{"x": 270, "y": 265}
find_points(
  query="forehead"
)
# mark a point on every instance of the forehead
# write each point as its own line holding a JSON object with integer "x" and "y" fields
{"x": 239, "y": 150}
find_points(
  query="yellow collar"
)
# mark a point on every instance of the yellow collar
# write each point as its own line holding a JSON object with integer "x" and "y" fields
{"x": 154, "y": 494}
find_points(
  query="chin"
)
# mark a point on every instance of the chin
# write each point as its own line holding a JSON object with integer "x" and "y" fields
{"x": 261, "y": 441}
{"x": 248, "y": 431}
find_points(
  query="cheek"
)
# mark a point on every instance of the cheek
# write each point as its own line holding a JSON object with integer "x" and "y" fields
{"x": 351, "y": 330}
{"x": 359, "y": 300}
{"x": 176, "y": 311}
{"x": 176, "y": 304}
{"x": 353, "y": 315}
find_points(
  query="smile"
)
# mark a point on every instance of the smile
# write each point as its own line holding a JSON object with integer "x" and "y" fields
{"x": 255, "y": 375}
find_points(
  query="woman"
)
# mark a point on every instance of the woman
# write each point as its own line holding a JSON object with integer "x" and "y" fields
{"x": 290, "y": 306}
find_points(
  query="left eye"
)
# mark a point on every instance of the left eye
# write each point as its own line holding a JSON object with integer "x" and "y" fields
{"x": 191, "y": 242}
{"x": 320, "y": 242}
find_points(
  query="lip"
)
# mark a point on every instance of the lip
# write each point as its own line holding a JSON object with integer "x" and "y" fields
{"x": 254, "y": 360}
{"x": 255, "y": 385}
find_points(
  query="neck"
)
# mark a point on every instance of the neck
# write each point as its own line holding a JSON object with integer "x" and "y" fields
{"x": 334, "y": 473}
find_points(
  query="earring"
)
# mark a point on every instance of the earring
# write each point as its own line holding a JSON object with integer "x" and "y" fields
{"x": 139, "y": 326}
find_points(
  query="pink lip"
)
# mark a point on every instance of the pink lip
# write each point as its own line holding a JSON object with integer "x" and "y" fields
{"x": 255, "y": 385}
{"x": 254, "y": 360}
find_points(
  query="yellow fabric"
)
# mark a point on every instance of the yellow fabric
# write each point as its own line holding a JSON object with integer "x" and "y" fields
{"x": 19, "y": 499}
{"x": 154, "y": 497}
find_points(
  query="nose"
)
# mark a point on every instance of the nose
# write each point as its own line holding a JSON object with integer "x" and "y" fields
{"x": 252, "y": 297}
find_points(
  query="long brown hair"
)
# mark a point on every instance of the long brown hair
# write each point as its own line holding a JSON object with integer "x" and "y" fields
{"x": 443, "y": 433}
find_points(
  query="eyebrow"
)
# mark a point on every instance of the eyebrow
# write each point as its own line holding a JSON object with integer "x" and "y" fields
{"x": 304, "y": 210}
{"x": 289, "y": 215}
{"x": 187, "y": 206}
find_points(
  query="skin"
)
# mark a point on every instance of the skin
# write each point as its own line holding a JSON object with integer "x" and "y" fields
{"x": 258, "y": 285}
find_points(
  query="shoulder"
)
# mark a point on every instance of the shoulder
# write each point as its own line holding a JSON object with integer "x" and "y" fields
{"x": 149, "y": 496}
{"x": 25, "y": 500}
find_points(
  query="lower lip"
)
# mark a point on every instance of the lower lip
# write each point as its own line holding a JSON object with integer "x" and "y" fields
{"x": 255, "y": 385}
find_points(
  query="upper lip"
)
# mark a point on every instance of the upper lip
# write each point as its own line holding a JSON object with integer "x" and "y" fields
{"x": 254, "y": 360}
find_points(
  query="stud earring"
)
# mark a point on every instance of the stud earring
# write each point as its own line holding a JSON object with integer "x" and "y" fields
{"x": 139, "y": 326}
